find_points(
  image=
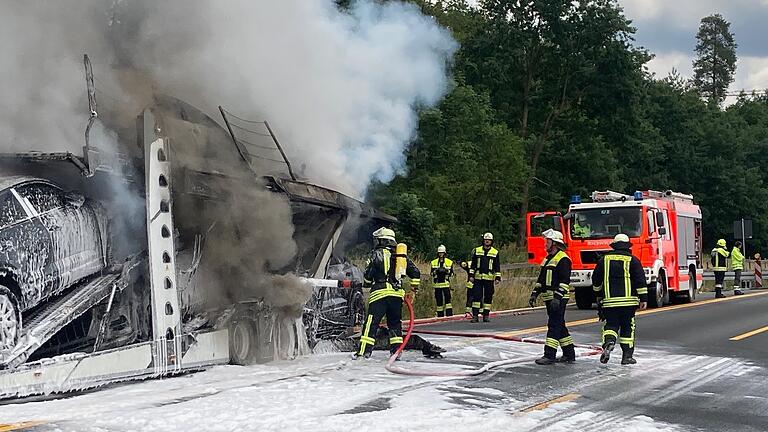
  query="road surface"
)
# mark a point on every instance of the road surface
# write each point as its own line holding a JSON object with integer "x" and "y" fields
{"x": 700, "y": 367}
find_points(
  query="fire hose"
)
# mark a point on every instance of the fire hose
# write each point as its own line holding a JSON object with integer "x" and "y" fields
{"x": 391, "y": 367}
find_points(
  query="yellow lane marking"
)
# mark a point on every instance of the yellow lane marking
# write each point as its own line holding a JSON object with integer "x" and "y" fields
{"x": 19, "y": 426}
{"x": 748, "y": 334}
{"x": 544, "y": 405}
{"x": 639, "y": 313}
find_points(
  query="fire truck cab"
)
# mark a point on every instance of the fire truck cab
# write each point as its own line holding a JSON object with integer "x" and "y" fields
{"x": 664, "y": 229}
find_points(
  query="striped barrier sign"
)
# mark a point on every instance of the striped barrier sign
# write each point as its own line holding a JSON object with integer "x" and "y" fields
{"x": 758, "y": 272}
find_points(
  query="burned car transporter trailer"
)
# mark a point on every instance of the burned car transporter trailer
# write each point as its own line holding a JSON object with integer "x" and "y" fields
{"x": 176, "y": 339}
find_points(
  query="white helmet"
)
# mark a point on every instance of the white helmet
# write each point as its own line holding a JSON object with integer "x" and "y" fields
{"x": 384, "y": 233}
{"x": 621, "y": 238}
{"x": 487, "y": 236}
{"x": 441, "y": 249}
{"x": 555, "y": 236}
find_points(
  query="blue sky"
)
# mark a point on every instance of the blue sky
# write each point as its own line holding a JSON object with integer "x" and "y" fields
{"x": 668, "y": 29}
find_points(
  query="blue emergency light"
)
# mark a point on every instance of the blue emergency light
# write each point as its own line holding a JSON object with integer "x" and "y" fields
{"x": 575, "y": 199}
{"x": 638, "y": 196}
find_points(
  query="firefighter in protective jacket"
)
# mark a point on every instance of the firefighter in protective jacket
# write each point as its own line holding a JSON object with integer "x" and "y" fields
{"x": 442, "y": 270}
{"x": 719, "y": 256}
{"x": 386, "y": 296}
{"x": 485, "y": 273}
{"x": 469, "y": 285}
{"x": 737, "y": 263}
{"x": 620, "y": 287}
{"x": 553, "y": 285}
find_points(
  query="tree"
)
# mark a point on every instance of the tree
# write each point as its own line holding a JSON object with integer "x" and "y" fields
{"x": 715, "y": 64}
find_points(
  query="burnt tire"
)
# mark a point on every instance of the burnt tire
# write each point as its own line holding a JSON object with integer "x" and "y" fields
{"x": 585, "y": 298}
{"x": 10, "y": 319}
{"x": 243, "y": 342}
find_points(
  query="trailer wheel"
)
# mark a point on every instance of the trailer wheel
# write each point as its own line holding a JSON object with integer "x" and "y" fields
{"x": 584, "y": 298}
{"x": 657, "y": 292}
{"x": 10, "y": 319}
{"x": 243, "y": 345}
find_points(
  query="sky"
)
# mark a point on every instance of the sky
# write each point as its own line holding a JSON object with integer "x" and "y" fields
{"x": 668, "y": 29}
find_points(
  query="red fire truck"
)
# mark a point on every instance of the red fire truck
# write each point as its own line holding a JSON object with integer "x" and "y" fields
{"x": 664, "y": 229}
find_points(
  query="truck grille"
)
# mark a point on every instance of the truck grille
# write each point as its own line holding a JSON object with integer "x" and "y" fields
{"x": 591, "y": 257}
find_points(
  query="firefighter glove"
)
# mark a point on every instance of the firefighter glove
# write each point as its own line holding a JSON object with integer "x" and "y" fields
{"x": 532, "y": 300}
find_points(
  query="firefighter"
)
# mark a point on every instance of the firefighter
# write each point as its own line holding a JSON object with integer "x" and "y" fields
{"x": 386, "y": 296}
{"x": 737, "y": 263}
{"x": 469, "y": 285}
{"x": 719, "y": 257}
{"x": 442, "y": 270}
{"x": 553, "y": 285}
{"x": 485, "y": 273}
{"x": 620, "y": 287}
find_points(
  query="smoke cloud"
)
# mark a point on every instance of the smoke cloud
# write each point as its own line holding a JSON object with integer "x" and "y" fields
{"x": 340, "y": 88}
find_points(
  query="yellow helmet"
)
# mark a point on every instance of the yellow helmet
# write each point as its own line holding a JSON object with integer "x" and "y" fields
{"x": 721, "y": 243}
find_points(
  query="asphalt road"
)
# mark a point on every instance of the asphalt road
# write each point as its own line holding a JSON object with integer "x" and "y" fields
{"x": 691, "y": 372}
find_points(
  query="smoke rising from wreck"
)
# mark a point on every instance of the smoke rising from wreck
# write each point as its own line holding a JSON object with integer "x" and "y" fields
{"x": 341, "y": 88}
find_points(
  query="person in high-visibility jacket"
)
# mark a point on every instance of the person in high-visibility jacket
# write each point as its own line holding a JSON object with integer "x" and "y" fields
{"x": 719, "y": 256}
{"x": 554, "y": 287}
{"x": 469, "y": 286}
{"x": 737, "y": 264}
{"x": 386, "y": 296}
{"x": 620, "y": 286}
{"x": 485, "y": 272}
{"x": 442, "y": 270}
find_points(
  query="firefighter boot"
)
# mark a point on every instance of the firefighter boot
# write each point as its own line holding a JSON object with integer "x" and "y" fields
{"x": 544, "y": 361}
{"x": 486, "y": 318}
{"x": 475, "y": 318}
{"x": 626, "y": 355}
{"x": 569, "y": 354}
{"x": 719, "y": 291}
{"x": 607, "y": 348}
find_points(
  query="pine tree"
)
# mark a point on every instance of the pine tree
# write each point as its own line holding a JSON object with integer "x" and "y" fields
{"x": 715, "y": 63}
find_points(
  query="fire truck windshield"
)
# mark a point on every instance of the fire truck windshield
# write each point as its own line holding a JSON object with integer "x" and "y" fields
{"x": 606, "y": 222}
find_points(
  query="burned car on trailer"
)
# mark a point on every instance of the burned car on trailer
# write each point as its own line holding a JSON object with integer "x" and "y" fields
{"x": 49, "y": 241}
{"x": 210, "y": 170}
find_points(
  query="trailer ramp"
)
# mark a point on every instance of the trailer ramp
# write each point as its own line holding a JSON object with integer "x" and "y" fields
{"x": 57, "y": 314}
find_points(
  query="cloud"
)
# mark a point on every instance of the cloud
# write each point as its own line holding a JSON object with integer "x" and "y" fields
{"x": 663, "y": 64}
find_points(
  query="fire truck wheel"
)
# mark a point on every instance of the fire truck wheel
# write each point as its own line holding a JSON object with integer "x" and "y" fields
{"x": 10, "y": 319}
{"x": 657, "y": 292}
{"x": 691, "y": 294}
{"x": 243, "y": 348}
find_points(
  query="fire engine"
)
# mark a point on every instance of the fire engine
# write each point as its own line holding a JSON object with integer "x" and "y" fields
{"x": 664, "y": 229}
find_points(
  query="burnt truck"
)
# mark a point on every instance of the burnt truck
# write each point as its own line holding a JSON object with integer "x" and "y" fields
{"x": 140, "y": 261}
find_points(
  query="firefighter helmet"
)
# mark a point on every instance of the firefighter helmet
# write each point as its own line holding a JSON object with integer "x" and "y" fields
{"x": 621, "y": 238}
{"x": 487, "y": 236}
{"x": 555, "y": 236}
{"x": 384, "y": 233}
{"x": 441, "y": 249}
{"x": 721, "y": 243}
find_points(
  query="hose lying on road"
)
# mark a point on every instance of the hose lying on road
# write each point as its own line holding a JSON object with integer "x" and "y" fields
{"x": 390, "y": 366}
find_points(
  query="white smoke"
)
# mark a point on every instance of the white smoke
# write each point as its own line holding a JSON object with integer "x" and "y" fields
{"x": 341, "y": 88}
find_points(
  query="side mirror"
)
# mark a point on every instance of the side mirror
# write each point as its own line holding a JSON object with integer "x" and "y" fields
{"x": 662, "y": 231}
{"x": 558, "y": 221}
{"x": 74, "y": 199}
{"x": 659, "y": 220}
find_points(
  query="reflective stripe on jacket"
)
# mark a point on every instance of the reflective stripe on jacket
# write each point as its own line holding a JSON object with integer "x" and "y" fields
{"x": 555, "y": 277}
{"x": 442, "y": 270}
{"x": 619, "y": 280}
{"x": 485, "y": 264}
{"x": 719, "y": 259}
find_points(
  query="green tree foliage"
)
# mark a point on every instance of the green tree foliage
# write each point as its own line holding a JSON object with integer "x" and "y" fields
{"x": 715, "y": 62}
{"x": 552, "y": 99}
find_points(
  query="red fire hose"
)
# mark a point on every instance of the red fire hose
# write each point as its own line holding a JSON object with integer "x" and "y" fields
{"x": 390, "y": 366}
